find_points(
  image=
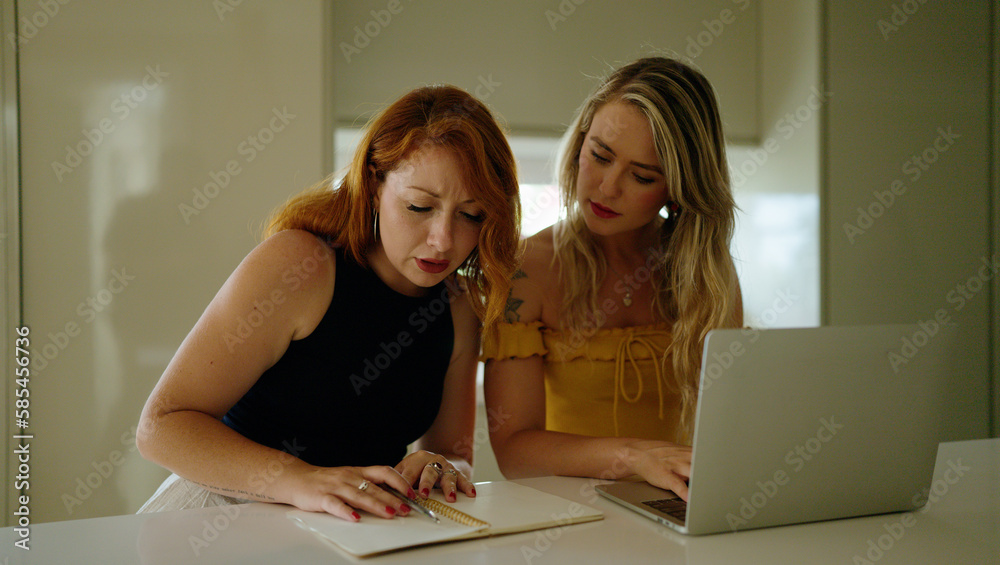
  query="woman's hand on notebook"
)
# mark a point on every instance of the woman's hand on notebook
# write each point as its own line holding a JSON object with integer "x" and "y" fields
{"x": 426, "y": 470}
{"x": 341, "y": 490}
{"x": 663, "y": 464}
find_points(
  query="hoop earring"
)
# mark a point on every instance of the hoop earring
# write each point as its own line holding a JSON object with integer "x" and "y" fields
{"x": 375, "y": 226}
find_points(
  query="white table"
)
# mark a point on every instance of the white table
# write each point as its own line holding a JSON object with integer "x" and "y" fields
{"x": 961, "y": 526}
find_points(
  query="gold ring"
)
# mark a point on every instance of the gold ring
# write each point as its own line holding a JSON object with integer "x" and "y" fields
{"x": 436, "y": 466}
{"x": 452, "y": 472}
{"x": 364, "y": 485}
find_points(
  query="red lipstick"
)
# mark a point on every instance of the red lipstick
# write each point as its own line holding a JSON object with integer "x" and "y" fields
{"x": 603, "y": 211}
{"x": 433, "y": 266}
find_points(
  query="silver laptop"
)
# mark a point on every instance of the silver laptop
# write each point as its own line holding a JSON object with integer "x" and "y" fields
{"x": 800, "y": 425}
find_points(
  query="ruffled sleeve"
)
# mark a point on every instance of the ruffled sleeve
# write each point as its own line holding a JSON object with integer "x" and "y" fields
{"x": 514, "y": 341}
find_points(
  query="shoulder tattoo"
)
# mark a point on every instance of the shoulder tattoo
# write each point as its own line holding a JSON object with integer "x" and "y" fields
{"x": 510, "y": 312}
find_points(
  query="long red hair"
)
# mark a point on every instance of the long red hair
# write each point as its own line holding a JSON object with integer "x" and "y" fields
{"x": 443, "y": 116}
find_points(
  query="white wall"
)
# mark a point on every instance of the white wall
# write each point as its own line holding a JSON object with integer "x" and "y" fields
{"x": 526, "y": 58}
{"x": 776, "y": 181}
{"x": 155, "y": 102}
{"x": 908, "y": 142}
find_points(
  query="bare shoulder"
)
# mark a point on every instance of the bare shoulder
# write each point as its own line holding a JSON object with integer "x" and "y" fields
{"x": 293, "y": 267}
{"x": 539, "y": 251}
{"x": 535, "y": 286}
{"x": 300, "y": 247}
{"x": 276, "y": 295}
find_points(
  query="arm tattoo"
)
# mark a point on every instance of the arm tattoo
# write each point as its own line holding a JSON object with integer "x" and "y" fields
{"x": 236, "y": 493}
{"x": 510, "y": 312}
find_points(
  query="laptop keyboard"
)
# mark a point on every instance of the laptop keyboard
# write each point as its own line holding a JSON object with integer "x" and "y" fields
{"x": 675, "y": 507}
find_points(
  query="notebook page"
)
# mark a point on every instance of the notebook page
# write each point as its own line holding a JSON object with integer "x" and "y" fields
{"x": 375, "y": 535}
{"x": 510, "y": 507}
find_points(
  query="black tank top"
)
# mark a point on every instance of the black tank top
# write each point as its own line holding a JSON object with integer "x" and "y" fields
{"x": 363, "y": 385}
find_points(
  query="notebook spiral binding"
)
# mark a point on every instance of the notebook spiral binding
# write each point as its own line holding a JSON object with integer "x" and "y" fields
{"x": 452, "y": 514}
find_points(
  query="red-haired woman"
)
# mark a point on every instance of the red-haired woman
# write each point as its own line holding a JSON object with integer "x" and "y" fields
{"x": 352, "y": 330}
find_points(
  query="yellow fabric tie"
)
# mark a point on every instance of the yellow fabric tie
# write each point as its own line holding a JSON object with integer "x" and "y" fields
{"x": 625, "y": 353}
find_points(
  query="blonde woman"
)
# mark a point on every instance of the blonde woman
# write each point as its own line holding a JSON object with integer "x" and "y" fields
{"x": 596, "y": 367}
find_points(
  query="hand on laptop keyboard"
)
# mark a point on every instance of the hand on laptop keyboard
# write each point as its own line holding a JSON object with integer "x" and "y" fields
{"x": 661, "y": 463}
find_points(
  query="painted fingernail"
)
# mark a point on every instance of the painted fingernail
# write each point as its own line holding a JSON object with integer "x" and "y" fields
{"x": 404, "y": 508}
{"x": 473, "y": 491}
{"x": 425, "y": 491}
{"x": 355, "y": 516}
{"x": 451, "y": 497}
{"x": 390, "y": 510}
{"x": 410, "y": 493}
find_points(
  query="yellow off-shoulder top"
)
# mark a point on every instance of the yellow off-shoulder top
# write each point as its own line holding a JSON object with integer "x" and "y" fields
{"x": 608, "y": 382}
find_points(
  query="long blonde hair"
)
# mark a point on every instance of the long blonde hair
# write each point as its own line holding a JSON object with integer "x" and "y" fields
{"x": 442, "y": 116}
{"x": 694, "y": 279}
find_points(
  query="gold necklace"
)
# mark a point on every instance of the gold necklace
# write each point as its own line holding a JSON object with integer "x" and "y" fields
{"x": 627, "y": 297}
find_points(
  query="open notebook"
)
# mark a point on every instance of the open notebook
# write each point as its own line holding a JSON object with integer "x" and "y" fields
{"x": 499, "y": 508}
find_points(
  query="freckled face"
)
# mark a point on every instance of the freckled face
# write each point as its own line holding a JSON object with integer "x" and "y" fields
{"x": 428, "y": 222}
{"x": 620, "y": 186}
